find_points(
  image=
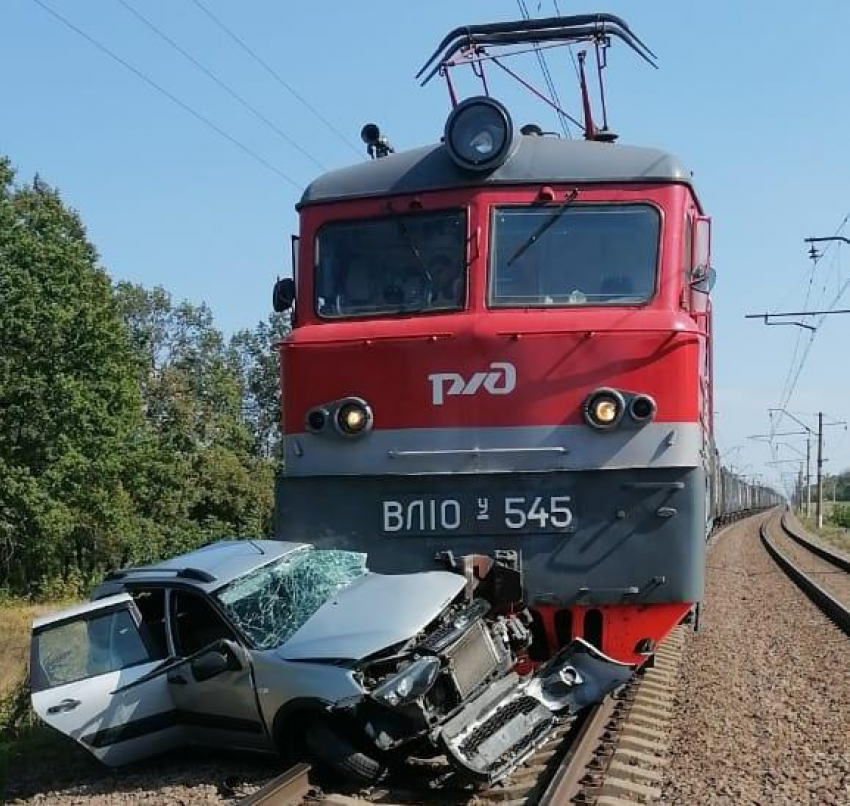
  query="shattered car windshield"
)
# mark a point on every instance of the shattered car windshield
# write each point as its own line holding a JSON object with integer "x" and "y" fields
{"x": 271, "y": 603}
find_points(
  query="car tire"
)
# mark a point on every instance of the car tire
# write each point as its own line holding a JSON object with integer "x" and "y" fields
{"x": 333, "y": 750}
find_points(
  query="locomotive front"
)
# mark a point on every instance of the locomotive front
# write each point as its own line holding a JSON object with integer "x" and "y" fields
{"x": 500, "y": 361}
{"x": 513, "y": 364}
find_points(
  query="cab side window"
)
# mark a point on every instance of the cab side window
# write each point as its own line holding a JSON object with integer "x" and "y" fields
{"x": 195, "y": 624}
{"x": 687, "y": 259}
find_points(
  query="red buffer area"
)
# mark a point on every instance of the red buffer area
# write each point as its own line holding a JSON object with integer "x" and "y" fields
{"x": 618, "y": 630}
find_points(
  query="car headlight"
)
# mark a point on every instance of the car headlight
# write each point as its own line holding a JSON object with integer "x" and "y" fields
{"x": 478, "y": 134}
{"x": 604, "y": 408}
{"x": 409, "y": 684}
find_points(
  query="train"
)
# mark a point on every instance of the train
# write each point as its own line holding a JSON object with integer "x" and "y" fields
{"x": 734, "y": 497}
{"x": 501, "y": 361}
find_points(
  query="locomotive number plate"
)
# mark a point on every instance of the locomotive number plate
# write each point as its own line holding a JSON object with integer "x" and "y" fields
{"x": 477, "y": 514}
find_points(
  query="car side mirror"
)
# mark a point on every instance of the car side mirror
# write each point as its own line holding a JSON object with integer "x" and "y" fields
{"x": 283, "y": 295}
{"x": 218, "y": 660}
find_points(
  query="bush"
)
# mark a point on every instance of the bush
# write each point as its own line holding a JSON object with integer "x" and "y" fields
{"x": 840, "y": 516}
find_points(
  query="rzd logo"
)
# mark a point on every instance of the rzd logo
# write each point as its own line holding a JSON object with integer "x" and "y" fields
{"x": 500, "y": 380}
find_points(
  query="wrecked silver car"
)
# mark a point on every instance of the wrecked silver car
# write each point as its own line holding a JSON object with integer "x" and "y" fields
{"x": 273, "y": 646}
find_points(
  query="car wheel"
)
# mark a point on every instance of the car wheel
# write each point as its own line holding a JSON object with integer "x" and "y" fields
{"x": 332, "y": 749}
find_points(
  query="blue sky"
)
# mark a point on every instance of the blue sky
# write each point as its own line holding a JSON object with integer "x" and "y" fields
{"x": 754, "y": 99}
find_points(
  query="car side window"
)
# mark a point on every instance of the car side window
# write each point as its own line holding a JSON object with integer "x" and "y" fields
{"x": 195, "y": 624}
{"x": 87, "y": 647}
{"x": 151, "y": 604}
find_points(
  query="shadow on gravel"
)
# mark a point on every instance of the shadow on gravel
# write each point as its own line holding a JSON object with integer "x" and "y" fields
{"x": 51, "y": 765}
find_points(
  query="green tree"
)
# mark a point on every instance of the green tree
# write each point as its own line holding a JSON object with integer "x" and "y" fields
{"x": 197, "y": 467}
{"x": 68, "y": 397}
{"x": 257, "y": 355}
{"x": 130, "y": 427}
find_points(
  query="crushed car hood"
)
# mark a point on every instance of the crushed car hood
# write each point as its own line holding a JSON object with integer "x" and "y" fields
{"x": 371, "y": 614}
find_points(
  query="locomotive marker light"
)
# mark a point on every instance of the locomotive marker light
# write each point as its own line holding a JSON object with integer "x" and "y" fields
{"x": 642, "y": 408}
{"x": 604, "y": 409}
{"x": 316, "y": 420}
{"x": 353, "y": 417}
{"x": 478, "y": 134}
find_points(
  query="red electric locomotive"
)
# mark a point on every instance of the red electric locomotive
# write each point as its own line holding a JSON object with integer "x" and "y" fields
{"x": 501, "y": 361}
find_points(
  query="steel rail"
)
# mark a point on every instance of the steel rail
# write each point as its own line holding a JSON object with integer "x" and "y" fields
{"x": 566, "y": 783}
{"x": 832, "y": 607}
{"x": 288, "y": 789}
{"x": 832, "y": 557}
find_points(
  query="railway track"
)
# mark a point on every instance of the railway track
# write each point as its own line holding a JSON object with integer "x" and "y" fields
{"x": 611, "y": 755}
{"x": 823, "y": 575}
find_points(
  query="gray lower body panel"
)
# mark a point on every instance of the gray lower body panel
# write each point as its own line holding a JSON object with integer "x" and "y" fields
{"x": 633, "y": 536}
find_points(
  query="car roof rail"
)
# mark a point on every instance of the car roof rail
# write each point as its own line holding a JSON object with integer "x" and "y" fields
{"x": 185, "y": 573}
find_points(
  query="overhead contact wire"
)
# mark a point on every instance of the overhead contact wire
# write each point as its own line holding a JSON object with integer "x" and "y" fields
{"x": 819, "y": 321}
{"x": 569, "y": 47}
{"x": 547, "y": 76}
{"x": 226, "y": 87}
{"x": 278, "y": 78}
{"x": 173, "y": 98}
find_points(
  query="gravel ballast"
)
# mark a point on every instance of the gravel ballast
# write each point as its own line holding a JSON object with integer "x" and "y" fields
{"x": 763, "y": 710}
{"x": 183, "y": 778}
{"x": 836, "y": 581}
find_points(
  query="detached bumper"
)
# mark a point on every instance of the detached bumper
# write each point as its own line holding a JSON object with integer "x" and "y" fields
{"x": 507, "y": 722}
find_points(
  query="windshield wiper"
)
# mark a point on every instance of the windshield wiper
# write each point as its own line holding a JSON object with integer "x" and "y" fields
{"x": 398, "y": 220}
{"x": 535, "y": 236}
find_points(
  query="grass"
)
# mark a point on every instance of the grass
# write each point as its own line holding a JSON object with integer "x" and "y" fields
{"x": 22, "y": 737}
{"x": 835, "y": 536}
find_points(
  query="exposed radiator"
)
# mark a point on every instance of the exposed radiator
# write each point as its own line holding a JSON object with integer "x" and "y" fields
{"x": 473, "y": 658}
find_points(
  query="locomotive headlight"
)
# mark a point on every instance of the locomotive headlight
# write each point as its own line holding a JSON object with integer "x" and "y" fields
{"x": 478, "y": 134}
{"x": 604, "y": 408}
{"x": 353, "y": 417}
{"x": 605, "y": 411}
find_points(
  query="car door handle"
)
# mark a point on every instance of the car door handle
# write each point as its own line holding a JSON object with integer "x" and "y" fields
{"x": 65, "y": 705}
{"x": 177, "y": 679}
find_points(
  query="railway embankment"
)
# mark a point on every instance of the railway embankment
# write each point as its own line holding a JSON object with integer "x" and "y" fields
{"x": 755, "y": 708}
{"x": 762, "y": 714}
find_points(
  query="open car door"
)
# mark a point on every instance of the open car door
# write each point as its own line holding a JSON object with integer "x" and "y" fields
{"x": 79, "y": 658}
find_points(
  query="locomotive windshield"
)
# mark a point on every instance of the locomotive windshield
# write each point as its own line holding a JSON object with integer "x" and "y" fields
{"x": 398, "y": 264}
{"x": 583, "y": 255}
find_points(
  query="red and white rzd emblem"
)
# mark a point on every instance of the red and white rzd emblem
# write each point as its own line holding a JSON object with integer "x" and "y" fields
{"x": 500, "y": 380}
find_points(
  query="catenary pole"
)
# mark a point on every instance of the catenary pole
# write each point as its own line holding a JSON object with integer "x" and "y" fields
{"x": 820, "y": 470}
{"x": 808, "y": 474}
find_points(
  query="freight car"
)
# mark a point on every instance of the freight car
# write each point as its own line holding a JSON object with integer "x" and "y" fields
{"x": 735, "y": 497}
